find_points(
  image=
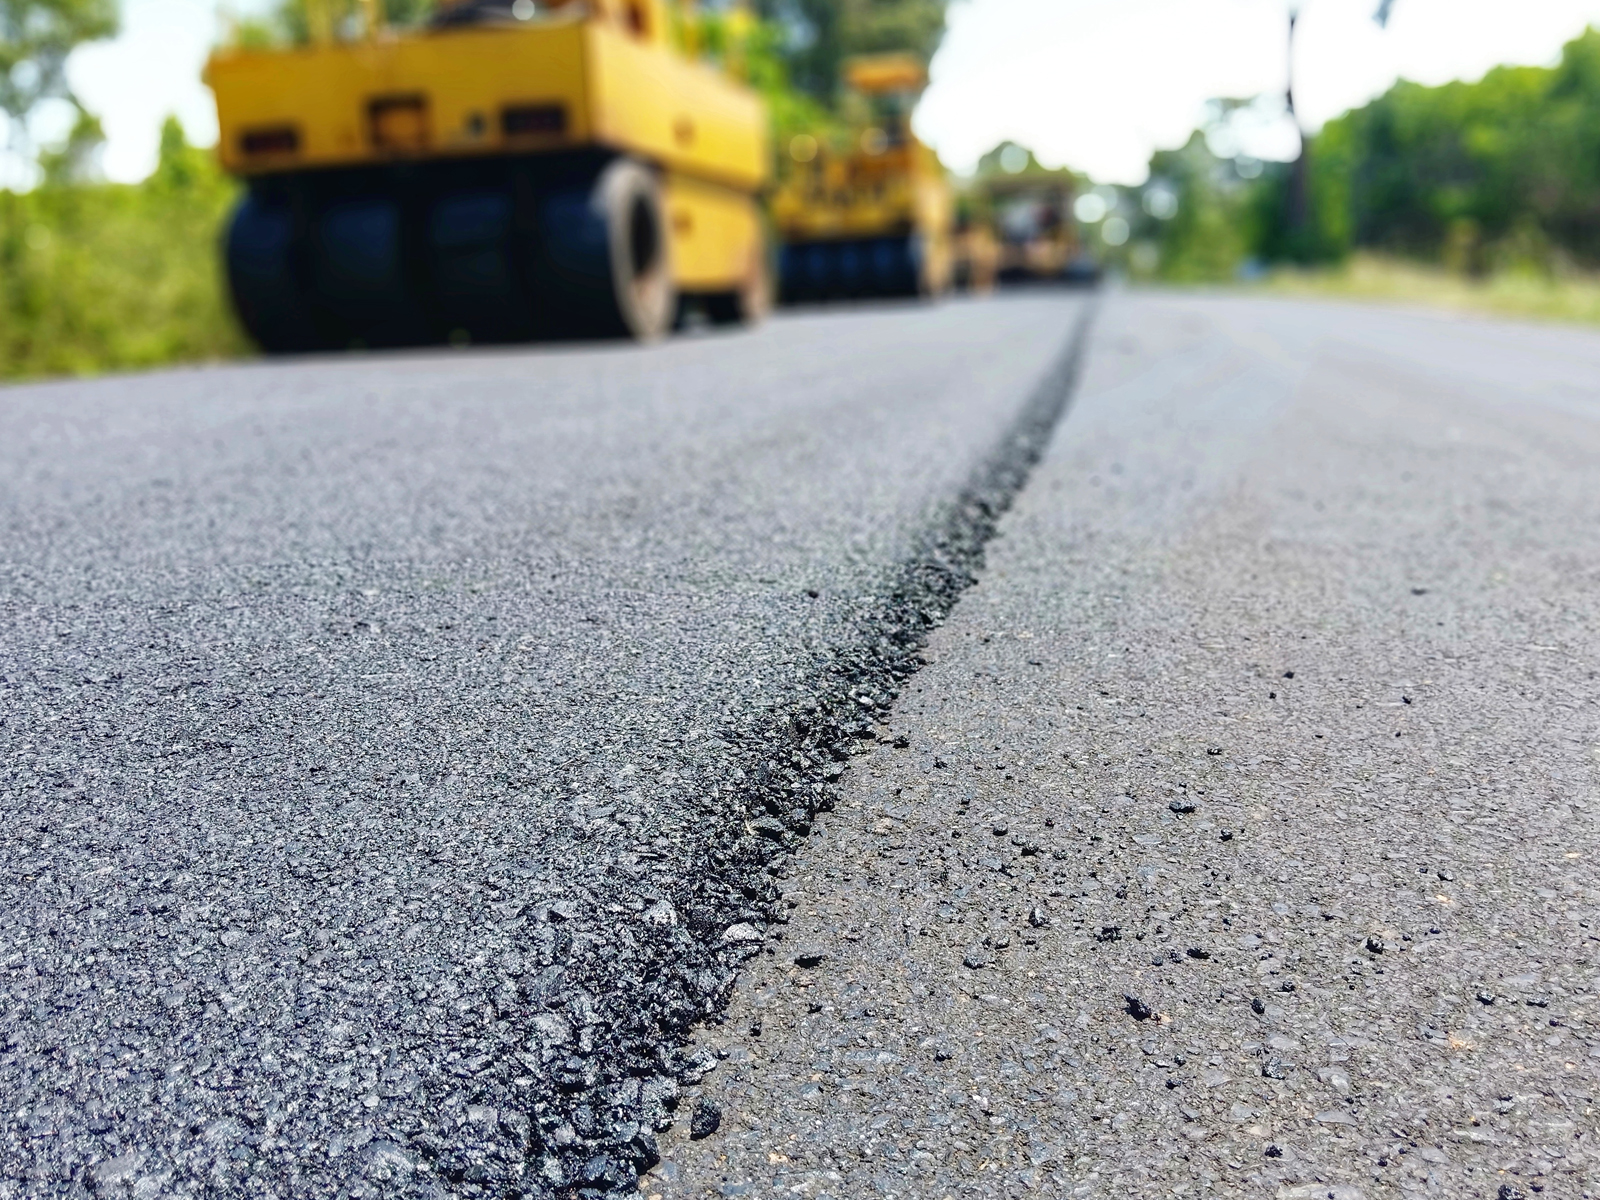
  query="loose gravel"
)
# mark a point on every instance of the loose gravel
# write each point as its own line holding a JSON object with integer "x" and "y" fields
{"x": 1240, "y": 839}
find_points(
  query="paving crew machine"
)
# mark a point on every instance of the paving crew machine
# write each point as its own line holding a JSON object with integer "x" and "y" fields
{"x": 876, "y": 219}
{"x": 514, "y": 169}
{"x": 1038, "y": 234}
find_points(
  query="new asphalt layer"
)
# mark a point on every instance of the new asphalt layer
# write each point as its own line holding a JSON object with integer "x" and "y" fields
{"x": 490, "y": 774}
{"x": 397, "y": 755}
{"x": 1241, "y": 837}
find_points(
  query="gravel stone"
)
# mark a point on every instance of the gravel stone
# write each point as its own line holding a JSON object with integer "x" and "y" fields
{"x": 705, "y": 1120}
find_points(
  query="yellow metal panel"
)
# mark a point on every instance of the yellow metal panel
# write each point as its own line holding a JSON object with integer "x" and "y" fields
{"x": 876, "y": 74}
{"x": 468, "y": 78}
{"x": 714, "y": 234}
{"x": 681, "y": 114}
{"x": 900, "y": 190}
{"x": 615, "y": 88}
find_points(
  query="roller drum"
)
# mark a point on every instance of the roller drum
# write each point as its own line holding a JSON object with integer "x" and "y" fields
{"x": 847, "y": 269}
{"x": 260, "y": 259}
{"x": 362, "y": 274}
{"x": 477, "y": 253}
{"x": 479, "y": 267}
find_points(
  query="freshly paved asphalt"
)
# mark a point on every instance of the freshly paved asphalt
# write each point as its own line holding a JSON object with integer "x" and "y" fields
{"x": 379, "y": 738}
{"x": 1244, "y": 839}
{"x": 396, "y": 755}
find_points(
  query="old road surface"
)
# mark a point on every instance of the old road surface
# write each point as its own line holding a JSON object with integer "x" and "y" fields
{"x": 396, "y": 755}
{"x": 402, "y": 758}
{"x": 1242, "y": 837}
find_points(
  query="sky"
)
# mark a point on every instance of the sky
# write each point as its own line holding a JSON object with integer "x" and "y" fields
{"x": 1098, "y": 84}
{"x": 1092, "y": 84}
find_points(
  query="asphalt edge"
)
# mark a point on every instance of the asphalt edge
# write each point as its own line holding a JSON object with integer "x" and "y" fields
{"x": 794, "y": 763}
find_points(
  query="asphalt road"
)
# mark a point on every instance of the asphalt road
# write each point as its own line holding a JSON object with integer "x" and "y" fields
{"x": 396, "y": 754}
{"x": 401, "y": 756}
{"x": 1243, "y": 836}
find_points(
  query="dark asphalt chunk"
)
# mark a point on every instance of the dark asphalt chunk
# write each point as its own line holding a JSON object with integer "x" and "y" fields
{"x": 705, "y": 1119}
{"x": 1288, "y": 471}
{"x": 395, "y": 753}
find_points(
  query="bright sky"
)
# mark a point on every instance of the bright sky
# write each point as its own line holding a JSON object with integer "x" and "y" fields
{"x": 1098, "y": 84}
{"x": 1094, "y": 84}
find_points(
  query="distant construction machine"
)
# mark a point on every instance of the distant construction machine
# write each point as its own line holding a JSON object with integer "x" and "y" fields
{"x": 516, "y": 169}
{"x": 876, "y": 219}
{"x": 1038, "y": 235}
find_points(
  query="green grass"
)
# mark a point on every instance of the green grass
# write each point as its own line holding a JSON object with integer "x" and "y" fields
{"x": 1557, "y": 297}
{"x": 103, "y": 277}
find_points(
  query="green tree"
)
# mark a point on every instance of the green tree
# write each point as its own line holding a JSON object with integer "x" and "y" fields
{"x": 75, "y": 160}
{"x": 288, "y": 24}
{"x": 180, "y": 166}
{"x": 817, "y": 35}
{"x": 100, "y": 276}
{"x": 36, "y": 36}
{"x": 1204, "y": 230}
{"x": 1475, "y": 175}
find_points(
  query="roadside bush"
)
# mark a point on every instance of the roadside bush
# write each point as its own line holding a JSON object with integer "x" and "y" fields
{"x": 100, "y": 276}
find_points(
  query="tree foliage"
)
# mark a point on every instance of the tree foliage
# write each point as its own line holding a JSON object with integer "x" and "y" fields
{"x": 817, "y": 35}
{"x": 36, "y": 36}
{"x": 288, "y": 23}
{"x": 102, "y": 276}
{"x": 1500, "y": 173}
{"x": 1470, "y": 172}
{"x": 1210, "y": 229}
{"x": 75, "y": 160}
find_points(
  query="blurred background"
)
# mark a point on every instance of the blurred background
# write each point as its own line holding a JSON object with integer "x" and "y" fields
{"x": 1439, "y": 151}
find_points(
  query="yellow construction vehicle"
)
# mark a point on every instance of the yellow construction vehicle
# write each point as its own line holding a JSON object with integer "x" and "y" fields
{"x": 874, "y": 220}
{"x": 1033, "y": 216}
{"x": 515, "y": 169}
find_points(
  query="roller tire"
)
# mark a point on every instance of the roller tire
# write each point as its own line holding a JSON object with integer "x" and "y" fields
{"x": 258, "y": 250}
{"x": 363, "y": 272}
{"x": 477, "y": 266}
{"x": 606, "y": 268}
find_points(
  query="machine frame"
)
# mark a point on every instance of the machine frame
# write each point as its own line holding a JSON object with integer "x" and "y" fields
{"x": 471, "y": 143}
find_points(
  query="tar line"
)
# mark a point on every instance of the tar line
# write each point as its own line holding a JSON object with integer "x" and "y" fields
{"x": 842, "y": 709}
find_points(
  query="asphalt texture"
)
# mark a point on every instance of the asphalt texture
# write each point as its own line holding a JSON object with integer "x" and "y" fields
{"x": 397, "y": 754}
{"x": 1240, "y": 837}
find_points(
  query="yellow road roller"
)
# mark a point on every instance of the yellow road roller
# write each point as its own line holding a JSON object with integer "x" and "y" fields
{"x": 515, "y": 169}
{"x": 876, "y": 219}
{"x": 1038, "y": 235}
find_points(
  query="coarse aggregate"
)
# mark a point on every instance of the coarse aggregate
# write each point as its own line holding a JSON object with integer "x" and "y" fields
{"x": 396, "y": 753}
{"x": 1240, "y": 838}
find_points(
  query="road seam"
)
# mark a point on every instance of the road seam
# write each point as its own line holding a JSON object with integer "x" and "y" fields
{"x": 815, "y": 739}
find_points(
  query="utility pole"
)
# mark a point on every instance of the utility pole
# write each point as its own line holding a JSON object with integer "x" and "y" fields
{"x": 1297, "y": 169}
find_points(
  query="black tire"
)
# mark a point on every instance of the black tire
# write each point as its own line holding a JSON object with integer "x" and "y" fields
{"x": 605, "y": 249}
{"x": 477, "y": 265}
{"x": 364, "y": 273}
{"x": 259, "y": 250}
